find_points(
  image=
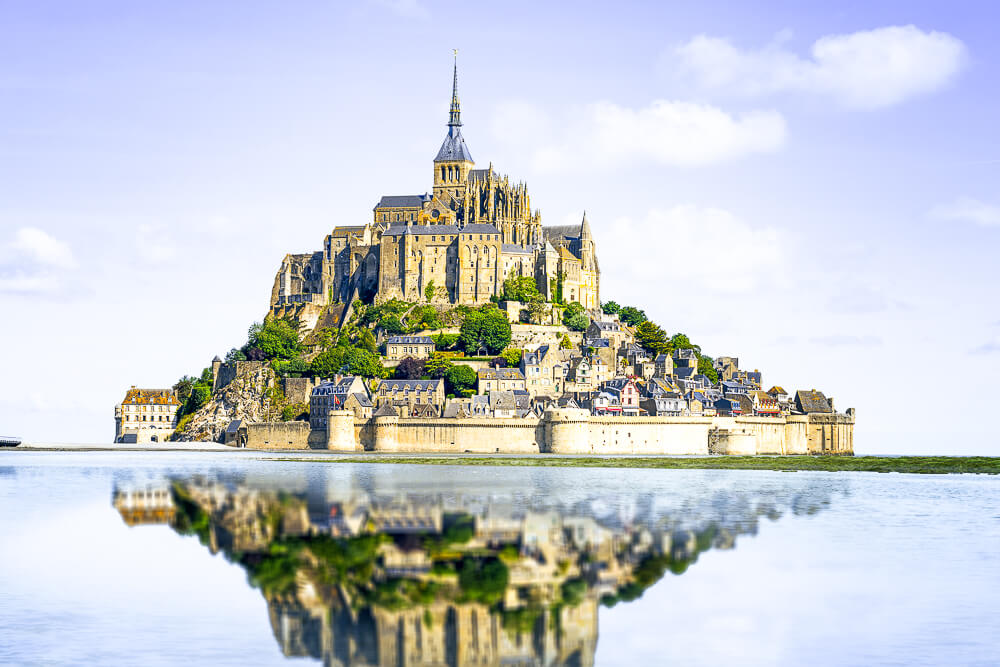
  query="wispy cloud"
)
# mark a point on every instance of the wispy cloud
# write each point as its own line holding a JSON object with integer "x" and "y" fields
{"x": 991, "y": 347}
{"x": 605, "y": 134}
{"x": 846, "y": 340}
{"x": 863, "y": 70}
{"x": 405, "y": 8}
{"x": 741, "y": 256}
{"x": 34, "y": 262}
{"x": 967, "y": 209}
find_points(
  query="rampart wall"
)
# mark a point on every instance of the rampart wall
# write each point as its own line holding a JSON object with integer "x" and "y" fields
{"x": 568, "y": 431}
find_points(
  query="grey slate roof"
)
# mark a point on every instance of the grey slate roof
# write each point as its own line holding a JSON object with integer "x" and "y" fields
{"x": 514, "y": 249}
{"x": 422, "y": 230}
{"x": 684, "y": 371}
{"x": 560, "y": 232}
{"x": 363, "y": 400}
{"x": 453, "y": 147}
{"x": 386, "y": 410}
{"x": 411, "y": 340}
{"x": 812, "y": 401}
{"x": 421, "y": 385}
{"x": 500, "y": 374}
{"x": 402, "y": 201}
{"x": 480, "y": 174}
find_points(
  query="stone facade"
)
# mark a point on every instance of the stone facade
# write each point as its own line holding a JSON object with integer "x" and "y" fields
{"x": 569, "y": 431}
{"x": 146, "y": 415}
{"x": 456, "y": 244}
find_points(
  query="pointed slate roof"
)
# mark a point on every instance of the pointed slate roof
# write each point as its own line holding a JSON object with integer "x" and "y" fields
{"x": 453, "y": 147}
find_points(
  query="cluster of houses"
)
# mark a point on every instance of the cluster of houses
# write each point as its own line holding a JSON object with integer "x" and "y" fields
{"x": 608, "y": 374}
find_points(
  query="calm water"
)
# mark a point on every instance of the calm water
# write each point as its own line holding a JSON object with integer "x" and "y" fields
{"x": 159, "y": 558}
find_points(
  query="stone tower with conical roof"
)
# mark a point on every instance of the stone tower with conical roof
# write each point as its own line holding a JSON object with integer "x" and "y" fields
{"x": 453, "y": 161}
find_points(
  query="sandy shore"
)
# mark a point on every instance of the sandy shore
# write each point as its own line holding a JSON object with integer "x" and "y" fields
{"x": 120, "y": 447}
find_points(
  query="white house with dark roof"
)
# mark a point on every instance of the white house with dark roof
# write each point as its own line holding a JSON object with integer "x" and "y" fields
{"x": 401, "y": 347}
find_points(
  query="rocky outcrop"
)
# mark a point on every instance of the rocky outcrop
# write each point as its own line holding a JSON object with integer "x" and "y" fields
{"x": 244, "y": 390}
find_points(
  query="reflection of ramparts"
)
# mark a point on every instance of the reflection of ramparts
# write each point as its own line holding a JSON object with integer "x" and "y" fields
{"x": 370, "y": 577}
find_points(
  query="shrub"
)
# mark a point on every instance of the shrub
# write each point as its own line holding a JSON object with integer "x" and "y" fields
{"x": 410, "y": 369}
{"x": 575, "y": 318}
{"x": 485, "y": 329}
{"x": 295, "y": 411}
{"x": 276, "y": 339}
{"x": 459, "y": 379}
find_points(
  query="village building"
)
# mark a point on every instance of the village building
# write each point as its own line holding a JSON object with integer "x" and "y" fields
{"x": 333, "y": 395}
{"x": 146, "y": 415}
{"x": 414, "y": 347}
{"x": 544, "y": 374}
{"x": 406, "y": 394}
{"x": 499, "y": 379}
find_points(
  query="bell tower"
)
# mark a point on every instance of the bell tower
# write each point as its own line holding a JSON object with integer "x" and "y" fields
{"x": 454, "y": 161}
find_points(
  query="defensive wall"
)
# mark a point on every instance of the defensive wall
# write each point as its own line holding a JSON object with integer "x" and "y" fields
{"x": 567, "y": 431}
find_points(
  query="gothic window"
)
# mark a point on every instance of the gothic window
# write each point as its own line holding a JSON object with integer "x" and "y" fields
{"x": 442, "y": 173}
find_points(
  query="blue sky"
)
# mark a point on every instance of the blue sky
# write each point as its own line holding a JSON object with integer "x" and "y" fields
{"x": 811, "y": 189}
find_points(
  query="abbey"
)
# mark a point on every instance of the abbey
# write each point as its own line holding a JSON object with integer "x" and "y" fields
{"x": 456, "y": 244}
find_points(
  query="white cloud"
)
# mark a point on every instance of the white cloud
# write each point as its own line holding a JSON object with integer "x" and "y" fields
{"x": 39, "y": 247}
{"x": 33, "y": 262}
{"x": 690, "y": 247}
{"x": 604, "y": 134}
{"x": 966, "y": 209}
{"x": 862, "y": 70}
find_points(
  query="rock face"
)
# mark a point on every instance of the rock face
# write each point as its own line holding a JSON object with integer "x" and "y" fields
{"x": 243, "y": 390}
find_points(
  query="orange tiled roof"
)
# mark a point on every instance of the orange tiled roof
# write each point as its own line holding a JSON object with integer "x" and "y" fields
{"x": 150, "y": 397}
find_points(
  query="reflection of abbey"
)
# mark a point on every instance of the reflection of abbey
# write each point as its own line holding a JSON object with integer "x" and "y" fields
{"x": 375, "y": 572}
{"x": 458, "y": 242}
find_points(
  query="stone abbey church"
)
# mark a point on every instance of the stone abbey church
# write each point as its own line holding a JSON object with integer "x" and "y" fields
{"x": 462, "y": 240}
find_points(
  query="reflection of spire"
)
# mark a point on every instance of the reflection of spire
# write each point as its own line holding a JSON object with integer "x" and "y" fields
{"x": 454, "y": 116}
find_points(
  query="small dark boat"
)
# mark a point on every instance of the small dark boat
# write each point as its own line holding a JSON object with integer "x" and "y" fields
{"x": 9, "y": 442}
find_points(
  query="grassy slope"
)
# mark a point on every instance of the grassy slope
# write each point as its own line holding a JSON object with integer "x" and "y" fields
{"x": 905, "y": 464}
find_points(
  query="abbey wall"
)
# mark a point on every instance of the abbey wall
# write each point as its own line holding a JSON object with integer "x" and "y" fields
{"x": 568, "y": 431}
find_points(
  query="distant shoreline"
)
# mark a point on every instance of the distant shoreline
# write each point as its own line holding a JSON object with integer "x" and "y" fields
{"x": 936, "y": 465}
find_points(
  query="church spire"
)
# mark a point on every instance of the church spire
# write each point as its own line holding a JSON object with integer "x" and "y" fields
{"x": 455, "y": 115}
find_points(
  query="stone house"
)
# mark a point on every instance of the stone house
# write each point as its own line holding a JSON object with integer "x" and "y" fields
{"x": 726, "y": 407}
{"x": 685, "y": 359}
{"x": 146, "y": 415}
{"x": 764, "y": 405}
{"x": 812, "y": 401}
{"x": 665, "y": 405}
{"x": 603, "y": 403}
{"x": 499, "y": 379}
{"x": 626, "y": 391}
{"x": 333, "y": 395}
{"x": 613, "y": 331}
{"x": 664, "y": 366}
{"x": 587, "y": 373}
{"x": 360, "y": 404}
{"x": 726, "y": 367}
{"x": 401, "y": 347}
{"x": 502, "y": 404}
{"x": 409, "y": 393}
{"x": 543, "y": 374}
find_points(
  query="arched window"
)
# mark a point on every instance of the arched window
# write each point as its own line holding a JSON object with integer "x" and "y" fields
{"x": 442, "y": 173}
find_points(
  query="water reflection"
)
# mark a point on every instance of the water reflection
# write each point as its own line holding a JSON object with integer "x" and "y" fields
{"x": 363, "y": 573}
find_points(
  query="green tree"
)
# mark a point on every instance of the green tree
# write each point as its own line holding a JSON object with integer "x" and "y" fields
{"x": 328, "y": 362}
{"x": 652, "y": 337}
{"x": 610, "y": 308}
{"x": 201, "y": 394}
{"x": 632, "y": 316}
{"x": 275, "y": 338}
{"x": 437, "y": 365}
{"x": 364, "y": 363}
{"x": 537, "y": 308}
{"x": 565, "y": 343}
{"x": 291, "y": 367}
{"x": 392, "y": 325}
{"x": 295, "y": 412}
{"x": 520, "y": 288}
{"x": 429, "y": 291}
{"x": 483, "y": 581}
{"x": 575, "y": 318}
{"x": 512, "y": 356}
{"x": 486, "y": 330}
{"x": 706, "y": 368}
{"x": 235, "y": 355}
{"x": 410, "y": 369}
{"x": 681, "y": 342}
{"x": 183, "y": 387}
{"x": 460, "y": 379}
